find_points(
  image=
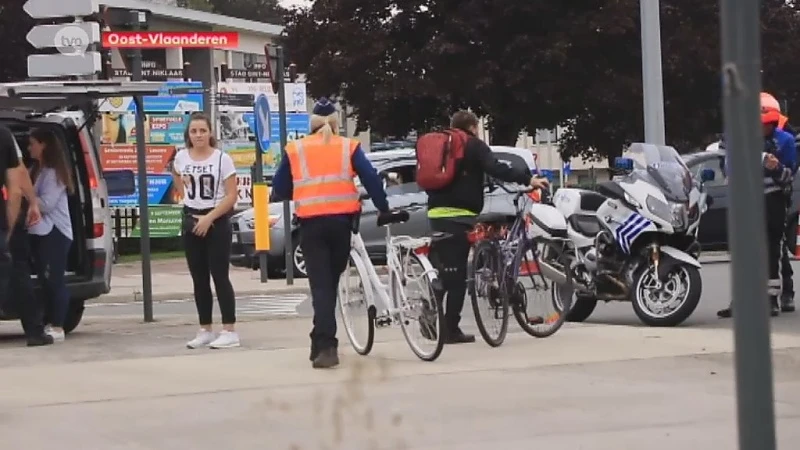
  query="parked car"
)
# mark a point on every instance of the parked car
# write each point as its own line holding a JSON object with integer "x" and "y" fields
{"x": 713, "y": 232}
{"x": 398, "y": 169}
{"x": 69, "y": 110}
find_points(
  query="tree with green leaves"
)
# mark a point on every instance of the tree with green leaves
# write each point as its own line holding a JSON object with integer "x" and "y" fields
{"x": 526, "y": 65}
{"x": 267, "y": 11}
{"x": 375, "y": 55}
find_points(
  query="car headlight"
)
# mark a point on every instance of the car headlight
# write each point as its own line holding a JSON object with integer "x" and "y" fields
{"x": 658, "y": 208}
{"x": 251, "y": 222}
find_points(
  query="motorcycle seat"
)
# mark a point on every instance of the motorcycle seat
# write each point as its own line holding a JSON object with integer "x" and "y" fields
{"x": 591, "y": 201}
{"x": 585, "y": 224}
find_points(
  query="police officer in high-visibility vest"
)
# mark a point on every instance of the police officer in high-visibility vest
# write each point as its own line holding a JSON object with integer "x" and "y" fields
{"x": 317, "y": 172}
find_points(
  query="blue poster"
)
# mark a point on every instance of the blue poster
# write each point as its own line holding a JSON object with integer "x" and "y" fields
{"x": 158, "y": 189}
{"x": 175, "y": 96}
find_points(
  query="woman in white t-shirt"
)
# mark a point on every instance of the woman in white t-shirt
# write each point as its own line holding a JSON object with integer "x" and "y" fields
{"x": 209, "y": 195}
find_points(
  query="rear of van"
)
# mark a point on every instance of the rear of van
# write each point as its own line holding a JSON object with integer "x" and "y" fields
{"x": 89, "y": 261}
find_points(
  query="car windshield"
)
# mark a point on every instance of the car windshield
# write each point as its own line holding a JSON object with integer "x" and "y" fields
{"x": 661, "y": 166}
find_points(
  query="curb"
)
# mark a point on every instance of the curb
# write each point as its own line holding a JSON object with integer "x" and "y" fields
{"x": 163, "y": 297}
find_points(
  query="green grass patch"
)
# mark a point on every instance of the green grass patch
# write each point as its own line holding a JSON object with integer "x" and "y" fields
{"x": 156, "y": 256}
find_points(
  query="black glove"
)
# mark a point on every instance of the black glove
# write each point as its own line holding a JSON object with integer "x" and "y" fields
{"x": 390, "y": 217}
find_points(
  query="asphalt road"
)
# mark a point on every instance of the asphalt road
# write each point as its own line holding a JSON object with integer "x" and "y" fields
{"x": 716, "y": 295}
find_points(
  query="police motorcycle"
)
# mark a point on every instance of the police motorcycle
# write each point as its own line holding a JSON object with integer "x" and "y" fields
{"x": 634, "y": 239}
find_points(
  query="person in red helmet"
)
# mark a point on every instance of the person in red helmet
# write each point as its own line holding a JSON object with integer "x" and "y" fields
{"x": 770, "y": 103}
{"x": 779, "y": 160}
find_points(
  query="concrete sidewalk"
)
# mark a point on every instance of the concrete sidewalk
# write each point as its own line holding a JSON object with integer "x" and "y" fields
{"x": 588, "y": 387}
{"x": 171, "y": 281}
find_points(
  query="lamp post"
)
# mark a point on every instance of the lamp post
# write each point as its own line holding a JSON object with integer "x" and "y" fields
{"x": 653, "y": 85}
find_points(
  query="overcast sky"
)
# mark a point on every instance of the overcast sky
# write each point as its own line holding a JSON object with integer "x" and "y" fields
{"x": 288, "y": 3}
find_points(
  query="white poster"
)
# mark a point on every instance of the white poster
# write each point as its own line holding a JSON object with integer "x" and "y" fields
{"x": 244, "y": 185}
{"x": 296, "y": 94}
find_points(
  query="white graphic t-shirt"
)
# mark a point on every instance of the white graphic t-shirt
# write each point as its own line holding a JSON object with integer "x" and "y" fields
{"x": 203, "y": 181}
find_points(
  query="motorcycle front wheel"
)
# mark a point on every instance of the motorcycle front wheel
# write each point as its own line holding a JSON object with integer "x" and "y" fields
{"x": 668, "y": 302}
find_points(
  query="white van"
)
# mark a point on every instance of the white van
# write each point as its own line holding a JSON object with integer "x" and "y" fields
{"x": 69, "y": 110}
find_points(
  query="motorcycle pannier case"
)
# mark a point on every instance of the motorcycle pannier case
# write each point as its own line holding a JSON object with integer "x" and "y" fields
{"x": 546, "y": 221}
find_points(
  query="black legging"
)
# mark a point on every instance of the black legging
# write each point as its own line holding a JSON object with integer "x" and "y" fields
{"x": 209, "y": 257}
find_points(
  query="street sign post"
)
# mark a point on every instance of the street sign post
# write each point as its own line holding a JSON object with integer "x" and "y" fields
{"x": 75, "y": 42}
{"x": 263, "y": 132}
{"x": 277, "y": 78}
{"x": 741, "y": 78}
{"x": 51, "y": 9}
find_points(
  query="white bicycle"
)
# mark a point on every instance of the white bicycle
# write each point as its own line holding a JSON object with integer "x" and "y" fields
{"x": 407, "y": 299}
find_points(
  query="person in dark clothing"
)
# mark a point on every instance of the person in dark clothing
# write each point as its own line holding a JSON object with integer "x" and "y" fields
{"x": 316, "y": 172}
{"x": 779, "y": 160}
{"x": 454, "y": 210}
{"x": 18, "y": 207}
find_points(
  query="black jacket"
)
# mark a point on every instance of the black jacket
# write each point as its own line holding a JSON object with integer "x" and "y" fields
{"x": 466, "y": 190}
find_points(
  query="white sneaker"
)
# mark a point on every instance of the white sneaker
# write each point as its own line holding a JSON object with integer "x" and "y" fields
{"x": 226, "y": 339}
{"x": 203, "y": 338}
{"x": 58, "y": 336}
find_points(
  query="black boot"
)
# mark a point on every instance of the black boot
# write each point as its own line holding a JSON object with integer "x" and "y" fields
{"x": 726, "y": 313}
{"x": 39, "y": 341}
{"x": 314, "y": 353}
{"x": 774, "y": 307}
{"x": 787, "y": 302}
{"x": 456, "y": 336}
{"x": 326, "y": 359}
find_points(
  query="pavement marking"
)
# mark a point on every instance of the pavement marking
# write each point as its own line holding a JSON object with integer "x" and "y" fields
{"x": 271, "y": 304}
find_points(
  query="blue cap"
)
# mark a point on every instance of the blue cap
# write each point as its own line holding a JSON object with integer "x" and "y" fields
{"x": 323, "y": 107}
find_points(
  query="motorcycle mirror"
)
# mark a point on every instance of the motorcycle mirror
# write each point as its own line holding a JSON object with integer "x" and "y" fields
{"x": 622, "y": 164}
{"x": 707, "y": 175}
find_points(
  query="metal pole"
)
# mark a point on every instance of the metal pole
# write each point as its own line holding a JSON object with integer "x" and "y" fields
{"x": 139, "y": 18}
{"x": 741, "y": 71}
{"x": 654, "y": 132}
{"x": 258, "y": 178}
{"x": 287, "y": 210}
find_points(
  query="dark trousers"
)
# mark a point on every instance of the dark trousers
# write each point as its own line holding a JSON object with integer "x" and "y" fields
{"x": 775, "y": 205}
{"x": 449, "y": 257}
{"x": 50, "y": 260}
{"x": 30, "y": 306}
{"x": 5, "y": 268}
{"x": 208, "y": 258}
{"x": 787, "y": 273}
{"x": 325, "y": 242}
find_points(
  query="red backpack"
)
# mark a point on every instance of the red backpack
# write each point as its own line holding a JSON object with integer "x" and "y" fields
{"x": 438, "y": 154}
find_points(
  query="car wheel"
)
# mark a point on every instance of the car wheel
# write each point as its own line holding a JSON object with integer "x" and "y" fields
{"x": 298, "y": 259}
{"x": 74, "y": 315}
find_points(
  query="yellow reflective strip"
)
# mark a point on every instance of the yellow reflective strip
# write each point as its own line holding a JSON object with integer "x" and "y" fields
{"x": 326, "y": 199}
{"x": 444, "y": 212}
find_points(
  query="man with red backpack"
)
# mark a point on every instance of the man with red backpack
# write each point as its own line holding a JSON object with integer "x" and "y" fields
{"x": 451, "y": 168}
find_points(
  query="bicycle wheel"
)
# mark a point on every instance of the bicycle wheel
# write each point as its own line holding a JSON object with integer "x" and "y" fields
{"x": 541, "y": 308}
{"x": 487, "y": 294}
{"x": 358, "y": 315}
{"x": 421, "y": 313}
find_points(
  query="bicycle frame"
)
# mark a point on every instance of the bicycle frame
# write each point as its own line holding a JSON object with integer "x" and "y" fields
{"x": 385, "y": 312}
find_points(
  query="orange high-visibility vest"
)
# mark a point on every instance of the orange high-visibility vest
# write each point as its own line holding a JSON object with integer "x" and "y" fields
{"x": 322, "y": 176}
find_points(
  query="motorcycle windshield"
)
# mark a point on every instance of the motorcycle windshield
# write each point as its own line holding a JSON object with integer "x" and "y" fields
{"x": 661, "y": 166}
